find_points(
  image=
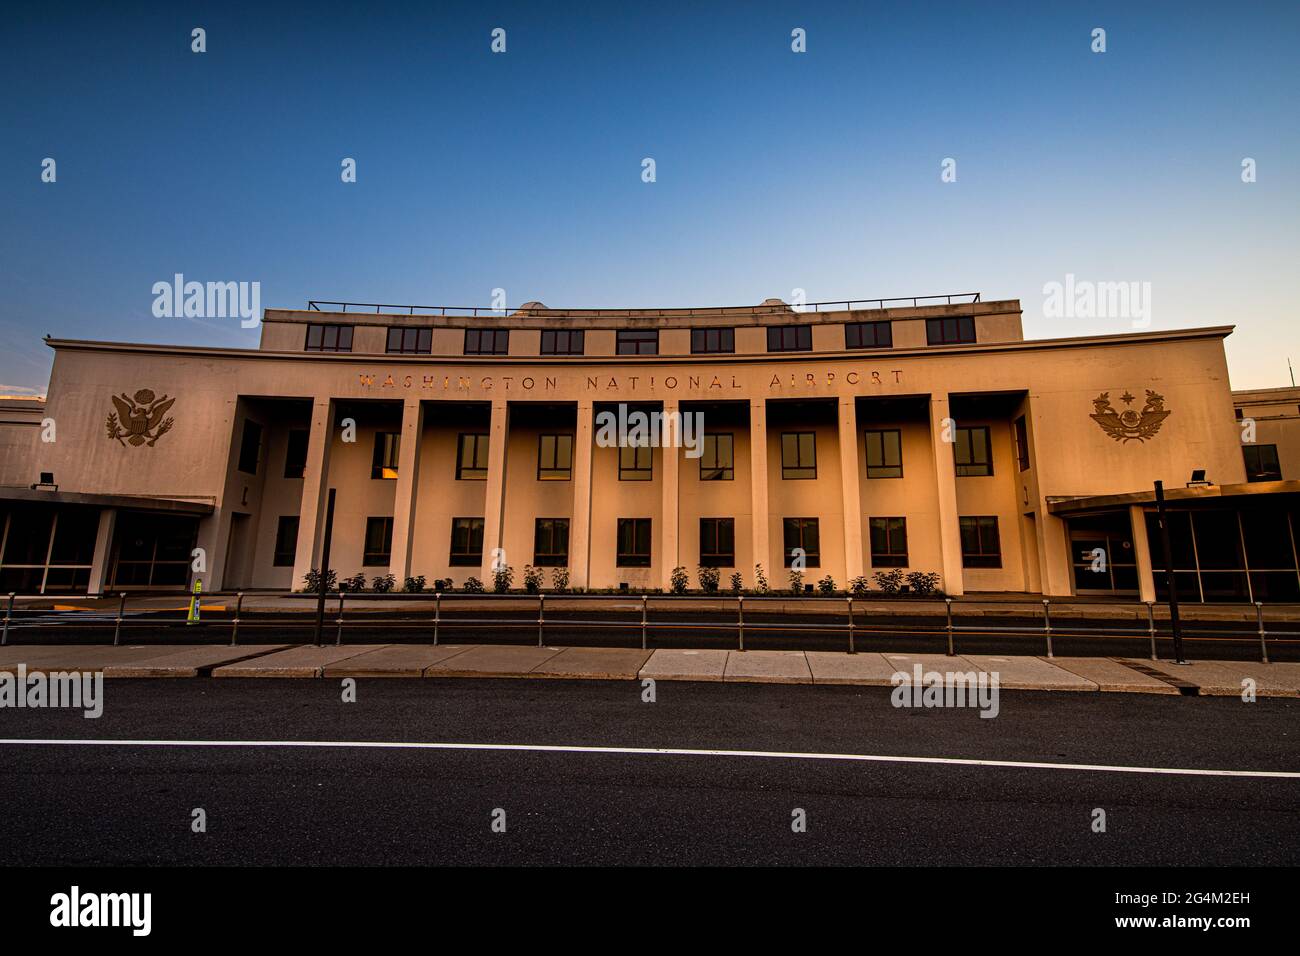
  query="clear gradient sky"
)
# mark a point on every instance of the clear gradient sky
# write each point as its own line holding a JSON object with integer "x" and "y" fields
{"x": 522, "y": 170}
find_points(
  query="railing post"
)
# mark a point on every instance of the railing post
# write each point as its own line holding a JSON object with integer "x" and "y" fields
{"x": 643, "y": 622}
{"x": 338, "y": 633}
{"x": 9, "y": 611}
{"x": 437, "y": 615}
{"x": 541, "y": 619}
{"x": 1264, "y": 636}
{"x": 1047, "y": 625}
{"x": 1151, "y": 627}
{"x": 234, "y": 625}
{"x": 852, "y": 649}
{"x": 117, "y": 626}
{"x": 948, "y": 602}
{"x": 740, "y": 619}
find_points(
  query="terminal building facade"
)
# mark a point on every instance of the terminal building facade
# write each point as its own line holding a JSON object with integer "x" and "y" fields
{"x": 923, "y": 435}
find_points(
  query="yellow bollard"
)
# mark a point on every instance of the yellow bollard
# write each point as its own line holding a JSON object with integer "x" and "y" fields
{"x": 194, "y": 603}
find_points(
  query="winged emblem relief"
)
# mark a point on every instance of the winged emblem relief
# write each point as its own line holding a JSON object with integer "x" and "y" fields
{"x": 139, "y": 418}
{"x": 1130, "y": 424}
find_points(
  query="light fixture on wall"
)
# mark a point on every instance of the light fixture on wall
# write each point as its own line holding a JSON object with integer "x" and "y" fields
{"x": 46, "y": 483}
{"x": 1198, "y": 479}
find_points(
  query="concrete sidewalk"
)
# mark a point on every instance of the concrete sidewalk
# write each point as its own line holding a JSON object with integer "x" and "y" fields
{"x": 1110, "y": 675}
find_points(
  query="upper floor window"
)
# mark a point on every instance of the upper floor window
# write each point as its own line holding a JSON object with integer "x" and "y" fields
{"x": 562, "y": 342}
{"x": 1262, "y": 464}
{"x": 410, "y": 341}
{"x": 1022, "y": 443}
{"x": 635, "y": 463}
{"x": 704, "y": 341}
{"x": 717, "y": 458}
{"x": 789, "y": 338}
{"x": 250, "y": 447}
{"x": 329, "y": 338}
{"x": 799, "y": 455}
{"x": 554, "y": 457}
{"x": 295, "y": 455}
{"x": 388, "y": 447}
{"x": 638, "y": 342}
{"x": 487, "y": 341}
{"x": 959, "y": 330}
{"x": 868, "y": 335}
{"x": 884, "y": 453}
{"x": 972, "y": 451}
{"x": 472, "y": 458}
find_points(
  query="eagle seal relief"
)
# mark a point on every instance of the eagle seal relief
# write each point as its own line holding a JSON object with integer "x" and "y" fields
{"x": 1130, "y": 425}
{"x": 141, "y": 418}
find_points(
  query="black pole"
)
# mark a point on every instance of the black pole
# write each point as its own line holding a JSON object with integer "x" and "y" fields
{"x": 324, "y": 567}
{"x": 1174, "y": 623}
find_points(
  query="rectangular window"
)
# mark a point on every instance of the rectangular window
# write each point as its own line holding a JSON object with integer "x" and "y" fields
{"x": 487, "y": 341}
{"x": 250, "y": 447}
{"x": 1022, "y": 443}
{"x": 718, "y": 542}
{"x": 717, "y": 458}
{"x": 638, "y": 342}
{"x": 551, "y": 542}
{"x": 1262, "y": 463}
{"x": 955, "y": 331}
{"x": 868, "y": 335}
{"x": 972, "y": 451}
{"x": 466, "y": 542}
{"x": 980, "y": 547}
{"x": 888, "y": 542}
{"x": 802, "y": 533}
{"x": 885, "y": 453}
{"x": 410, "y": 341}
{"x": 388, "y": 447}
{"x": 635, "y": 463}
{"x": 286, "y": 541}
{"x": 329, "y": 338}
{"x": 472, "y": 458}
{"x": 798, "y": 455}
{"x": 789, "y": 338}
{"x": 562, "y": 342}
{"x": 379, "y": 542}
{"x": 704, "y": 341}
{"x": 554, "y": 457}
{"x": 295, "y": 456}
{"x": 633, "y": 543}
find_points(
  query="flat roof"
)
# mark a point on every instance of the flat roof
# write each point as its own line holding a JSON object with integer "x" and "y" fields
{"x": 197, "y": 506}
{"x": 1059, "y": 505}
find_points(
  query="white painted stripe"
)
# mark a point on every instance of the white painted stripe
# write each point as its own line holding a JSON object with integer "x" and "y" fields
{"x": 652, "y": 751}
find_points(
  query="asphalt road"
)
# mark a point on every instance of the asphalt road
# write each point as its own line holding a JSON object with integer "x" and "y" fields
{"x": 132, "y": 804}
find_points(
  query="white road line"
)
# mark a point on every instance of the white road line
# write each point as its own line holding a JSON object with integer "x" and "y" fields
{"x": 652, "y": 751}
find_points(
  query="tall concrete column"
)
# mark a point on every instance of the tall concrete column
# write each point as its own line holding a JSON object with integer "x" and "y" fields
{"x": 1142, "y": 551}
{"x": 408, "y": 480}
{"x": 315, "y": 481}
{"x": 494, "y": 502}
{"x": 851, "y": 487}
{"x": 670, "y": 438}
{"x": 942, "y": 436}
{"x": 758, "y": 489}
{"x": 102, "y": 553}
{"x": 580, "y": 525}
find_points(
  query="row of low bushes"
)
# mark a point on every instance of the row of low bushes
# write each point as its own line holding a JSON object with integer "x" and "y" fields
{"x": 891, "y": 582}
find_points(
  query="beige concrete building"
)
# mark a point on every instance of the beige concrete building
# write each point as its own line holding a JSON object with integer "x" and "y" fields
{"x": 927, "y": 435}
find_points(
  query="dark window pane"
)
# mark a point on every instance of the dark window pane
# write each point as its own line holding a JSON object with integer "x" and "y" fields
{"x": 74, "y": 536}
{"x": 295, "y": 456}
{"x": 466, "y": 542}
{"x": 379, "y": 541}
{"x": 1218, "y": 542}
{"x": 286, "y": 541}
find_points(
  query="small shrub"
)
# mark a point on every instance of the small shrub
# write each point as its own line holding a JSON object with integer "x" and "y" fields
{"x": 709, "y": 580}
{"x": 413, "y": 585}
{"x": 311, "y": 581}
{"x": 532, "y": 579}
{"x": 355, "y": 583}
{"x": 889, "y": 581}
{"x": 737, "y": 582}
{"x": 760, "y": 580}
{"x": 474, "y": 586}
{"x": 796, "y": 581}
{"x": 680, "y": 581}
{"x": 502, "y": 578}
{"x": 383, "y": 583}
{"x": 923, "y": 583}
{"x": 858, "y": 586}
{"x": 826, "y": 585}
{"x": 560, "y": 580}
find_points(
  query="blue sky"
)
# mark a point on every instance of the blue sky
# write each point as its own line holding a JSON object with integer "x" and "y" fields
{"x": 522, "y": 170}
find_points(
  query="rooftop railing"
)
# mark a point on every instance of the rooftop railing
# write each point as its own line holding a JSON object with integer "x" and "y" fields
{"x": 837, "y": 305}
